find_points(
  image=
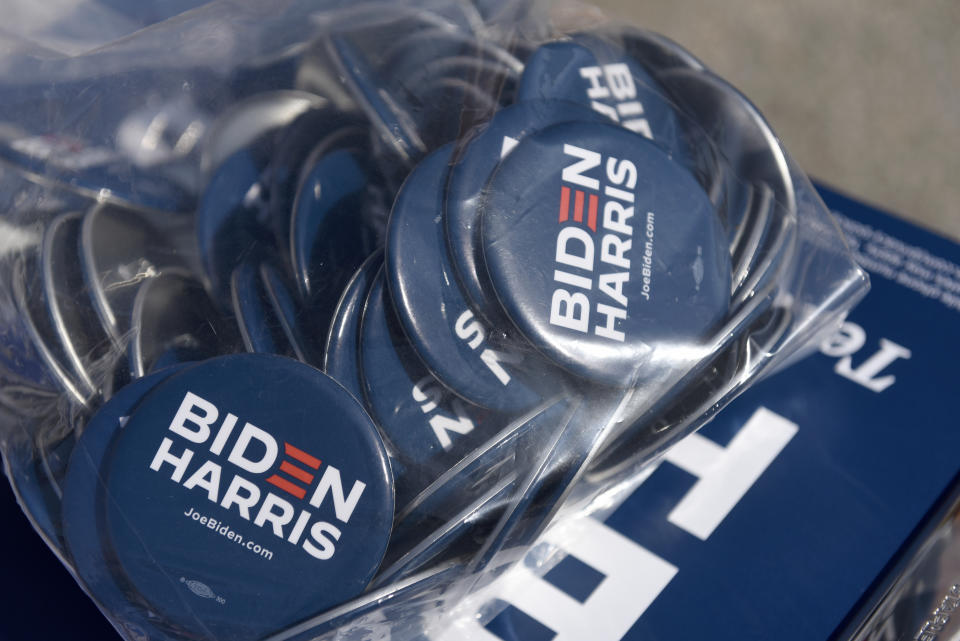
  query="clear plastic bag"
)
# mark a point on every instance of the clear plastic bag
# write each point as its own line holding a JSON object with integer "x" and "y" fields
{"x": 533, "y": 248}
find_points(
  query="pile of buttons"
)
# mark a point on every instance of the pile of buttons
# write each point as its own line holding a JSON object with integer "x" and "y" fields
{"x": 416, "y": 284}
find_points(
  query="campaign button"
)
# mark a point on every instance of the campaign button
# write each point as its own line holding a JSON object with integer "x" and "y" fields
{"x": 598, "y": 74}
{"x": 604, "y": 252}
{"x": 296, "y": 320}
{"x": 472, "y": 168}
{"x": 230, "y": 220}
{"x": 39, "y": 339}
{"x": 294, "y": 145}
{"x": 174, "y": 320}
{"x": 261, "y": 330}
{"x": 74, "y": 320}
{"x": 341, "y": 356}
{"x": 248, "y": 493}
{"x": 83, "y": 508}
{"x": 474, "y": 358}
{"x": 120, "y": 249}
{"x": 329, "y": 236}
{"x": 428, "y": 427}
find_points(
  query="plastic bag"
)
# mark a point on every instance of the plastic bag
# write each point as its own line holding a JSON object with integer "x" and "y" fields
{"x": 533, "y": 248}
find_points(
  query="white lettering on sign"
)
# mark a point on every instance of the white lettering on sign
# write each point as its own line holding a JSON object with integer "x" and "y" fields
{"x": 633, "y": 576}
{"x": 725, "y": 473}
{"x": 848, "y": 340}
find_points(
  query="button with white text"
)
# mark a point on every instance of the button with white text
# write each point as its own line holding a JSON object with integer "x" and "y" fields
{"x": 603, "y": 250}
{"x": 248, "y": 493}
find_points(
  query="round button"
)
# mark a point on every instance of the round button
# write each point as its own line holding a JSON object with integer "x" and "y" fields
{"x": 599, "y": 75}
{"x": 603, "y": 251}
{"x": 341, "y": 356}
{"x": 248, "y": 493}
{"x": 469, "y": 175}
{"x": 475, "y": 359}
{"x": 428, "y": 427}
{"x": 84, "y": 499}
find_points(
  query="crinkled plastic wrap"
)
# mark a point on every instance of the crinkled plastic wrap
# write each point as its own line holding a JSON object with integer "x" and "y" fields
{"x": 534, "y": 249}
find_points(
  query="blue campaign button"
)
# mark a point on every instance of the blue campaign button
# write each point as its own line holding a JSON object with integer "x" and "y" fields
{"x": 475, "y": 359}
{"x": 83, "y": 509}
{"x": 294, "y": 145}
{"x": 174, "y": 320}
{"x": 469, "y": 175}
{"x": 231, "y": 220}
{"x": 428, "y": 427}
{"x": 760, "y": 187}
{"x": 392, "y": 124}
{"x": 119, "y": 249}
{"x": 252, "y": 119}
{"x": 83, "y": 339}
{"x": 291, "y": 147}
{"x": 606, "y": 77}
{"x": 260, "y": 328}
{"x": 604, "y": 252}
{"x": 341, "y": 356}
{"x": 598, "y": 74}
{"x": 40, "y": 344}
{"x": 475, "y": 475}
{"x": 329, "y": 236}
{"x": 303, "y": 333}
{"x": 248, "y": 493}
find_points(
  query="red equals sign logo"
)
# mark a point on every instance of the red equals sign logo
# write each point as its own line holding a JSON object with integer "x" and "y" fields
{"x": 295, "y": 472}
{"x": 578, "y": 202}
